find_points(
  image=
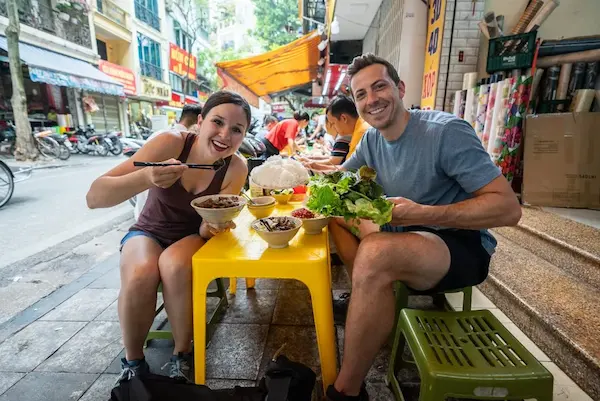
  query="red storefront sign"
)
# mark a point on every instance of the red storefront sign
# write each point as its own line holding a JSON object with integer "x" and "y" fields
{"x": 121, "y": 74}
{"x": 181, "y": 62}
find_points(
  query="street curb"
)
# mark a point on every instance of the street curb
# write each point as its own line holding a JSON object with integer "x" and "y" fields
{"x": 70, "y": 243}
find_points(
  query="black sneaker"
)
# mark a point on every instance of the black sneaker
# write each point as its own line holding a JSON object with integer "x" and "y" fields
{"x": 137, "y": 367}
{"x": 340, "y": 308}
{"x": 181, "y": 366}
{"x": 333, "y": 395}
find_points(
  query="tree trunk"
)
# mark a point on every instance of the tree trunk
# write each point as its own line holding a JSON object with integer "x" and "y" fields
{"x": 290, "y": 103}
{"x": 26, "y": 149}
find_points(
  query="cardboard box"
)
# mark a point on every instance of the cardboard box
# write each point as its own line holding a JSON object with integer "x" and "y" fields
{"x": 562, "y": 160}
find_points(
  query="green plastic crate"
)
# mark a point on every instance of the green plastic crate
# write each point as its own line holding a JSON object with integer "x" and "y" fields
{"x": 511, "y": 52}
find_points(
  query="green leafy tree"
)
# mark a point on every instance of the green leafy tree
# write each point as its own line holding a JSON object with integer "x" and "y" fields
{"x": 277, "y": 22}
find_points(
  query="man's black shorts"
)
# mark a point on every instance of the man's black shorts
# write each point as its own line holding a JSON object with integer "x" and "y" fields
{"x": 469, "y": 260}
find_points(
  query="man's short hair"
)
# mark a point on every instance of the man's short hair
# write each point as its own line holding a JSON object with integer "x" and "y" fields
{"x": 368, "y": 59}
{"x": 270, "y": 120}
{"x": 342, "y": 105}
{"x": 191, "y": 111}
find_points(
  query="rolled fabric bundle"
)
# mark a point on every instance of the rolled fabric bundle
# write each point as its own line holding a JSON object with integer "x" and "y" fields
{"x": 487, "y": 129}
{"x": 583, "y": 100}
{"x": 586, "y": 56}
{"x": 495, "y": 143}
{"x": 484, "y": 91}
{"x": 500, "y": 102}
{"x": 527, "y": 16}
{"x": 469, "y": 80}
{"x": 591, "y": 75}
{"x": 577, "y": 79}
{"x": 563, "y": 84}
{"x": 457, "y": 101}
{"x": 469, "y": 109}
{"x": 537, "y": 77}
{"x": 509, "y": 158}
{"x": 541, "y": 16}
{"x": 463, "y": 103}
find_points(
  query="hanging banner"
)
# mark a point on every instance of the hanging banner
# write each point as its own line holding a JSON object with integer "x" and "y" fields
{"x": 181, "y": 62}
{"x": 435, "y": 29}
{"x": 122, "y": 74}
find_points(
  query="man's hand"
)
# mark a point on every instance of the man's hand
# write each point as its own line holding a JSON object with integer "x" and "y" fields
{"x": 405, "y": 212}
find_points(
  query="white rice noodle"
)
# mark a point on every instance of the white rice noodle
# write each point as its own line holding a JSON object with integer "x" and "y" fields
{"x": 279, "y": 173}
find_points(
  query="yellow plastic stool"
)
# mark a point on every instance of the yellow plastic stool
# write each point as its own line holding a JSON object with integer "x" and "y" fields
{"x": 233, "y": 284}
{"x": 242, "y": 253}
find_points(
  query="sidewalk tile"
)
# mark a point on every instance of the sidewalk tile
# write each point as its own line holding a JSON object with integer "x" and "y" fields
{"x": 89, "y": 351}
{"x": 218, "y": 384}
{"x": 110, "y": 314}
{"x": 84, "y": 306}
{"x": 7, "y": 380}
{"x": 501, "y": 316}
{"x": 292, "y": 285}
{"x": 249, "y": 306}
{"x": 379, "y": 392}
{"x": 300, "y": 346}
{"x": 41, "y": 386}
{"x": 36, "y": 342}
{"x": 100, "y": 390}
{"x": 378, "y": 370}
{"x": 260, "y": 283}
{"x": 235, "y": 351}
{"x": 566, "y": 393}
{"x": 293, "y": 307}
{"x": 340, "y": 279}
{"x": 112, "y": 279}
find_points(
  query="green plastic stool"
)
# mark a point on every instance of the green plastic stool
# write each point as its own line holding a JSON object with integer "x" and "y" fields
{"x": 160, "y": 333}
{"x": 471, "y": 355}
{"x": 396, "y": 360}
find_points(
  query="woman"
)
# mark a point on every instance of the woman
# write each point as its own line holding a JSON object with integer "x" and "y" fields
{"x": 284, "y": 134}
{"x": 159, "y": 247}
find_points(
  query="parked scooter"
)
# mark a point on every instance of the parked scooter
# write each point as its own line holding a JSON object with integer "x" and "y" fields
{"x": 87, "y": 141}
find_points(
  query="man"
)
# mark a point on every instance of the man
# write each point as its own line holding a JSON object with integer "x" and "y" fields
{"x": 342, "y": 118}
{"x": 269, "y": 123}
{"x": 188, "y": 118}
{"x": 446, "y": 192}
{"x": 342, "y": 115}
{"x": 284, "y": 134}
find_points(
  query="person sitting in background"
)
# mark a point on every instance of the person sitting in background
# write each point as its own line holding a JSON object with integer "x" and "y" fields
{"x": 159, "y": 247}
{"x": 349, "y": 126}
{"x": 284, "y": 134}
{"x": 320, "y": 129}
{"x": 269, "y": 123}
{"x": 187, "y": 122}
{"x": 338, "y": 154}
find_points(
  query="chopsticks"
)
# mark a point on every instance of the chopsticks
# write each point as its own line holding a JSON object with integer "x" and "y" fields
{"x": 248, "y": 198}
{"x": 216, "y": 166}
{"x": 266, "y": 224}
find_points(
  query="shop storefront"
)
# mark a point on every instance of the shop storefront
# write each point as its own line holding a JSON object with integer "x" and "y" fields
{"x": 55, "y": 86}
{"x": 113, "y": 111}
{"x": 146, "y": 104}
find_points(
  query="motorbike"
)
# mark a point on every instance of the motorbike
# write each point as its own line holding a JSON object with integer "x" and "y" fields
{"x": 87, "y": 141}
{"x": 8, "y": 140}
{"x": 113, "y": 141}
{"x": 131, "y": 145}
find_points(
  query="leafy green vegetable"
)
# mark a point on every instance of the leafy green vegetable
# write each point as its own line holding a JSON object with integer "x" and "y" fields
{"x": 350, "y": 194}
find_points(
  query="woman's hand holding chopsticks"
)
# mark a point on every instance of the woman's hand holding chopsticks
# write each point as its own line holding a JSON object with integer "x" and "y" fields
{"x": 164, "y": 177}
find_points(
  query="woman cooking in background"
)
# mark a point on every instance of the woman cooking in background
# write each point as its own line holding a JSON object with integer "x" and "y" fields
{"x": 159, "y": 247}
{"x": 284, "y": 134}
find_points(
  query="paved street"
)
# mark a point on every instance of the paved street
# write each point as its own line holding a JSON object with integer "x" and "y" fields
{"x": 50, "y": 207}
{"x": 49, "y": 237}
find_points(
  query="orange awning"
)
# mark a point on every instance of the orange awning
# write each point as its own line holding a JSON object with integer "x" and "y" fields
{"x": 286, "y": 67}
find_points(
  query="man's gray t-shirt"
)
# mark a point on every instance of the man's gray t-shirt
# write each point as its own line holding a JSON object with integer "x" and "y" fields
{"x": 438, "y": 160}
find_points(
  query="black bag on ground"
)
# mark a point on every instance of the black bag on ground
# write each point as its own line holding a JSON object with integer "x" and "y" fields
{"x": 284, "y": 381}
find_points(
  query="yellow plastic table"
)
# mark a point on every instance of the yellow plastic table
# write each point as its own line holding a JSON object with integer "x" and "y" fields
{"x": 242, "y": 253}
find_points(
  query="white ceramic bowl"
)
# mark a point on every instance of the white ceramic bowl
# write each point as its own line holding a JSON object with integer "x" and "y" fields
{"x": 277, "y": 239}
{"x": 218, "y": 217}
{"x": 315, "y": 225}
